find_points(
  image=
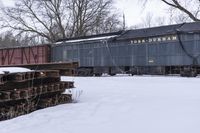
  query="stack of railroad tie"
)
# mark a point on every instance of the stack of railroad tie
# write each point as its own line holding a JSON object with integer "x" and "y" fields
{"x": 25, "y": 92}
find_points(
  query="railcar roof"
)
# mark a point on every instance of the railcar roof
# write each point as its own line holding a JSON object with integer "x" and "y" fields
{"x": 137, "y": 33}
{"x": 90, "y": 38}
{"x": 25, "y": 46}
{"x": 162, "y": 30}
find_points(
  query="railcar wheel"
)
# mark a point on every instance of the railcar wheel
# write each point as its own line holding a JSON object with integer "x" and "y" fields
{"x": 112, "y": 74}
{"x": 98, "y": 74}
{"x": 188, "y": 74}
{"x": 193, "y": 74}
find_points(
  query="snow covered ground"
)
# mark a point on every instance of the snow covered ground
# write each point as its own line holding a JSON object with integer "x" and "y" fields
{"x": 121, "y": 104}
{"x": 13, "y": 69}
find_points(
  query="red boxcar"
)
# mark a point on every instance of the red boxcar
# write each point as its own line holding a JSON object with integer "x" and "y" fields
{"x": 25, "y": 55}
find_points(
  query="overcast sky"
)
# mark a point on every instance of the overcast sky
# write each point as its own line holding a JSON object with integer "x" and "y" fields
{"x": 133, "y": 10}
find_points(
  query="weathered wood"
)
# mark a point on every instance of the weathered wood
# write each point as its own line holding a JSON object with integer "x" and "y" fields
{"x": 22, "y": 93}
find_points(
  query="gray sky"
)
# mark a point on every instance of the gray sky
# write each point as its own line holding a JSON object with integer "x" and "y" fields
{"x": 133, "y": 10}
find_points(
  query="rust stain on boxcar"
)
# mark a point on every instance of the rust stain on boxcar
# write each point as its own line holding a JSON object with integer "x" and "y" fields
{"x": 25, "y": 55}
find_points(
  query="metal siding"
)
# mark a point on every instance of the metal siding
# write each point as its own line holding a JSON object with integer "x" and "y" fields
{"x": 102, "y": 53}
{"x": 164, "y": 54}
{"x": 57, "y": 53}
{"x": 86, "y": 54}
{"x": 25, "y": 55}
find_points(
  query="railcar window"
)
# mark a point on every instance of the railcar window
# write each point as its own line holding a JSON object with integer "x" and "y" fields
{"x": 75, "y": 53}
{"x": 69, "y": 54}
{"x": 139, "y": 41}
{"x": 64, "y": 54}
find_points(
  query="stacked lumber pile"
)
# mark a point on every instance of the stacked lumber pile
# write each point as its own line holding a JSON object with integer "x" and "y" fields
{"x": 25, "y": 92}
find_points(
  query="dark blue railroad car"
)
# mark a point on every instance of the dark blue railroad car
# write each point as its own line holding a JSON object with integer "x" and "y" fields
{"x": 172, "y": 49}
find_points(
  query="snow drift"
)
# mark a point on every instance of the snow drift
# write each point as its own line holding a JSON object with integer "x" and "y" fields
{"x": 120, "y": 105}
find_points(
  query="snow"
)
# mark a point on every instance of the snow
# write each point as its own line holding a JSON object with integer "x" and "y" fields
{"x": 121, "y": 104}
{"x": 88, "y": 39}
{"x": 13, "y": 69}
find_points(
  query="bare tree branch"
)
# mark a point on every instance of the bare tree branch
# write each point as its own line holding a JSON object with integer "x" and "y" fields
{"x": 190, "y": 11}
{"x": 56, "y": 19}
{"x": 176, "y": 4}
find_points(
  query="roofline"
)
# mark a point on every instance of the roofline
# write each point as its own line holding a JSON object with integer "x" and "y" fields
{"x": 90, "y": 36}
{"x": 28, "y": 46}
{"x": 121, "y": 32}
{"x": 160, "y": 26}
{"x": 163, "y": 26}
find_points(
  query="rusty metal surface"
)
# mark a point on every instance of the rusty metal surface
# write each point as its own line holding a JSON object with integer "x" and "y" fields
{"x": 25, "y": 55}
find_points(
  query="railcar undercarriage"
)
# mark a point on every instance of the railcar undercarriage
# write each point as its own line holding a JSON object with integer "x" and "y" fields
{"x": 184, "y": 71}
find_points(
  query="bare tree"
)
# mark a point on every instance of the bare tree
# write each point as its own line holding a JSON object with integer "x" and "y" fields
{"x": 148, "y": 20}
{"x": 137, "y": 26}
{"x": 189, "y": 7}
{"x": 159, "y": 21}
{"x": 56, "y": 19}
{"x": 37, "y": 18}
{"x": 7, "y": 39}
{"x": 92, "y": 16}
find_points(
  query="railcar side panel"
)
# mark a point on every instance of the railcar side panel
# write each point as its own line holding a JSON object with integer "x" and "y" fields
{"x": 25, "y": 55}
{"x": 126, "y": 54}
{"x": 151, "y": 50}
